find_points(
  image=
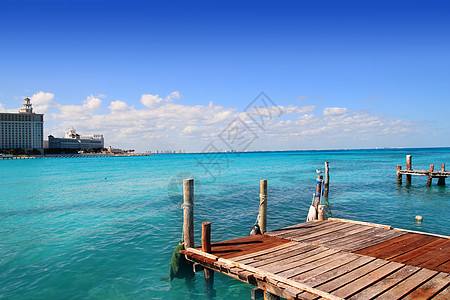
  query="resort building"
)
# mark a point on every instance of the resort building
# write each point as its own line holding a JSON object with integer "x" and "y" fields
{"x": 23, "y": 130}
{"x": 72, "y": 140}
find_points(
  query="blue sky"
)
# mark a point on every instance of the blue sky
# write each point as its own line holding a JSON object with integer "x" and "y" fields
{"x": 347, "y": 74}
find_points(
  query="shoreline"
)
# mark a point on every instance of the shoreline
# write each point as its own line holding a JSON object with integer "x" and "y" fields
{"x": 76, "y": 155}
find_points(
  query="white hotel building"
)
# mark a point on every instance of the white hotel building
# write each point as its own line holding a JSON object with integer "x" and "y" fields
{"x": 24, "y": 130}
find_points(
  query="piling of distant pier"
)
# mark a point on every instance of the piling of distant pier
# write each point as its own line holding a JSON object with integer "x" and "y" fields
{"x": 431, "y": 173}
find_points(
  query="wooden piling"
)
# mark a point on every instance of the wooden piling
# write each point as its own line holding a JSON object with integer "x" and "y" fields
{"x": 441, "y": 180}
{"x": 408, "y": 167}
{"x": 188, "y": 213}
{"x": 206, "y": 247}
{"x": 430, "y": 176}
{"x": 263, "y": 206}
{"x": 257, "y": 293}
{"x": 270, "y": 296}
{"x": 206, "y": 237}
{"x": 319, "y": 182}
{"x": 399, "y": 175}
{"x": 321, "y": 213}
{"x": 326, "y": 180}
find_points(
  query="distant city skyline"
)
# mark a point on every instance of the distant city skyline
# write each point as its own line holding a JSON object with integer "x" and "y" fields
{"x": 174, "y": 75}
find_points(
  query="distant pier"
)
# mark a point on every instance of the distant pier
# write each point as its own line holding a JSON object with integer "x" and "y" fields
{"x": 431, "y": 173}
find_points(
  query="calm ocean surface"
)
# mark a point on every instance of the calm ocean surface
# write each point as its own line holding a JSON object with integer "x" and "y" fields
{"x": 105, "y": 228}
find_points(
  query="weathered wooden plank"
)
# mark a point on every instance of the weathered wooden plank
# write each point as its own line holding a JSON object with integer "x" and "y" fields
{"x": 312, "y": 264}
{"x": 346, "y": 232}
{"x": 301, "y": 226}
{"x": 273, "y": 279}
{"x": 430, "y": 288}
{"x": 445, "y": 267}
{"x": 315, "y": 236}
{"x": 407, "y": 285}
{"x": 296, "y": 260}
{"x": 307, "y": 296}
{"x": 367, "y": 280}
{"x": 419, "y": 251}
{"x": 379, "y": 238}
{"x": 384, "y": 245}
{"x": 360, "y": 223}
{"x": 385, "y": 284}
{"x": 432, "y": 255}
{"x": 266, "y": 251}
{"x": 339, "y": 271}
{"x": 350, "y": 238}
{"x": 397, "y": 246}
{"x": 280, "y": 255}
{"x": 355, "y": 238}
{"x": 307, "y": 231}
{"x": 443, "y": 295}
{"x": 436, "y": 262}
{"x": 364, "y": 240}
{"x": 425, "y": 172}
{"x": 245, "y": 245}
{"x": 352, "y": 275}
{"x": 346, "y": 258}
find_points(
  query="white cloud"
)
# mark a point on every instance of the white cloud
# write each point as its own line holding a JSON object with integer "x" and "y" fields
{"x": 153, "y": 101}
{"x": 164, "y": 124}
{"x": 118, "y": 106}
{"x": 85, "y": 111}
{"x": 42, "y": 101}
{"x": 334, "y": 111}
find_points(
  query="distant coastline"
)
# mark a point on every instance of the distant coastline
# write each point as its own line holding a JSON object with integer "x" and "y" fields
{"x": 75, "y": 155}
{"x": 81, "y": 155}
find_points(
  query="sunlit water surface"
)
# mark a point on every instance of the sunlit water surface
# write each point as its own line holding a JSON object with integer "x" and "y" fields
{"x": 105, "y": 228}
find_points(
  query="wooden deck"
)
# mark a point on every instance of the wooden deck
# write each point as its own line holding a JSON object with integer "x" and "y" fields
{"x": 336, "y": 259}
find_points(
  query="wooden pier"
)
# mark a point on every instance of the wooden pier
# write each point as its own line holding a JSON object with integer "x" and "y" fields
{"x": 431, "y": 173}
{"x": 335, "y": 259}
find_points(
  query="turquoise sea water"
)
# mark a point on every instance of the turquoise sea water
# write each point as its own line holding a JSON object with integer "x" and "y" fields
{"x": 105, "y": 228}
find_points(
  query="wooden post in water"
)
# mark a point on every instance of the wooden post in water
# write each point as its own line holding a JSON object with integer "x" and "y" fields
{"x": 321, "y": 214}
{"x": 327, "y": 179}
{"x": 318, "y": 192}
{"x": 206, "y": 247}
{"x": 263, "y": 206}
{"x": 430, "y": 176}
{"x": 399, "y": 175}
{"x": 441, "y": 180}
{"x": 408, "y": 167}
{"x": 270, "y": 296}
{"x": 206, "y": 237}
{"x": 188, "y": 213}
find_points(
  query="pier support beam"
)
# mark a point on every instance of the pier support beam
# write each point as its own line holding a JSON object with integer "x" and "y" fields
{"x": 399, "y": 175}
{"x": 257, "y": 293}
{"x": 270, "y": 296}
{"x": 206, "y": 247}
{"x": 430, "y": 176}
{"x": 263, "y": 206}
{"x": 326, "y": 180}
{"x": 188, "y": 213}
{"x": 441, "y": 180}
{"x": 408, "y": 167}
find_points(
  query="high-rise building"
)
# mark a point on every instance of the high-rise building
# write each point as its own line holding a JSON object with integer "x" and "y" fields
{"x": 23, "y": 130}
